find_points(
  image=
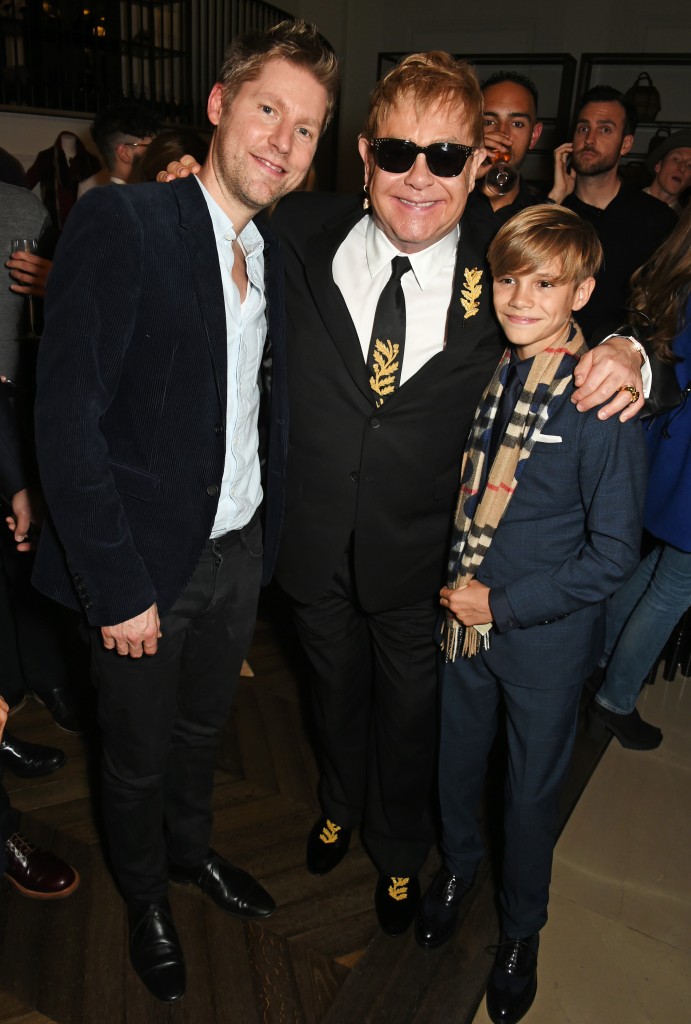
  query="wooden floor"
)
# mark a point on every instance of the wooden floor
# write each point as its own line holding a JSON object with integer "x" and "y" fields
{"x": 320, "y": 959}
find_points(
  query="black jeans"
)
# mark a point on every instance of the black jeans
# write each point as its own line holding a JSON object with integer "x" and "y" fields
{"x": 162, "y": 716}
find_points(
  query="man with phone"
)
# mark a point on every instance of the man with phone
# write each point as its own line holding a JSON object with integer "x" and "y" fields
{"x": 629, "y": 223}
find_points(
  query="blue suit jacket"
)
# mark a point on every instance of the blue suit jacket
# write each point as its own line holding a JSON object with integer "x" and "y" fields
{"x": 569, "y": 538}
{"x": 131, "y": 401}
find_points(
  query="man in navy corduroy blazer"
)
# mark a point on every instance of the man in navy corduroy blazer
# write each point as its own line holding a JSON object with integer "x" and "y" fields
{"x": 147, "y": 430}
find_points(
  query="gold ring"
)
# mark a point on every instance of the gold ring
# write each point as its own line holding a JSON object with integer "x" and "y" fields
{"x": 635, "y": 395}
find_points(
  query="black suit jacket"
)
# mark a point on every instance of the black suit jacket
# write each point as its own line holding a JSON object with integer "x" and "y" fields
{"x": 388, "y": 476}
{"x": 131, "y": 402}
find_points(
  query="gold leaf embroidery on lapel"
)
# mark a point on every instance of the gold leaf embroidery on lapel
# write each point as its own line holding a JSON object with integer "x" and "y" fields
{"x": 472, "y": 292}
{"x": 385, "y": 366}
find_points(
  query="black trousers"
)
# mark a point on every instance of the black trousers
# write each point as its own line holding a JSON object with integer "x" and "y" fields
{"x": 161, "y": 717}
{"x": 32, "y": 629}
{"x": 375, "y": 711}
{"x": 541, "y": 728}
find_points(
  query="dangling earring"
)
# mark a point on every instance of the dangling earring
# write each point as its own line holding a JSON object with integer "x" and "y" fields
{"x": 365, "y": 200}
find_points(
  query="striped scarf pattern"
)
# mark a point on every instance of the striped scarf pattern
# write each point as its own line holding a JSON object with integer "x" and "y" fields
{"x": 479, "y": 512}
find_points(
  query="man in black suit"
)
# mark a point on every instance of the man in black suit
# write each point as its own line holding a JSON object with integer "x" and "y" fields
{"x": 373, "y": 476}
{"x": 147, "y": 430}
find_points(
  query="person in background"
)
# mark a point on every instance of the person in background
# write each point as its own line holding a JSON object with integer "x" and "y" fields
{"x": 38, "y": 658}
{"x": 121, "y": 132}
{"x": 512, "y": 128}
{"x": 671, "y": 164}
{"x": 629, "y": 224}
{"x": 167, "y": 146}
{"x": 643, "y": 613}
{"x": 32, "y": 871}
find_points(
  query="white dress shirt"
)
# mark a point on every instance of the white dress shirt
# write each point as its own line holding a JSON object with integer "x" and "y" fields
{"x": 241, "y": 489}
{"x": 361, "y": 268}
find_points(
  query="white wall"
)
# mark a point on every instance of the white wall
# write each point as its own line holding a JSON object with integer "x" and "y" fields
{"x": 24, "y": 135}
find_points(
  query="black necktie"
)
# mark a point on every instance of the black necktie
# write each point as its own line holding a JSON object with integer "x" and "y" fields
{"x": 385, "y": 356}
{"x": 507, "y": 404}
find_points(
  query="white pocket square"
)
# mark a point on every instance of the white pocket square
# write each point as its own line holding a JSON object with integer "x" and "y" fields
{"x": 548, "y": 438}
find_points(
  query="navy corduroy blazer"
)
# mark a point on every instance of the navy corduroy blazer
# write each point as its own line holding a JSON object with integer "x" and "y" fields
{"x": 131, "y": 400}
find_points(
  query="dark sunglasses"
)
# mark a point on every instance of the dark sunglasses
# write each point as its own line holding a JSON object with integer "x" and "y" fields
{"x": 444, "y": 159}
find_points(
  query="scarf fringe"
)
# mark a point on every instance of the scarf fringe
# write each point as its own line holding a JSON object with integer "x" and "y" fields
{"x": 459, "y": 640}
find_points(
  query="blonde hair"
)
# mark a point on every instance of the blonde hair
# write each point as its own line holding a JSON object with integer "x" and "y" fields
{"x": 429, "y": 79}
{"x": 295, "y": 41}
{"x": 542, "y": 233}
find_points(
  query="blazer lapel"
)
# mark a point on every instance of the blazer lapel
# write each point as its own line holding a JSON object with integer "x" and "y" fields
{"x": 470, "y": 320}
{"x": 329, "y": 300}
{"x": 200, "y": 245}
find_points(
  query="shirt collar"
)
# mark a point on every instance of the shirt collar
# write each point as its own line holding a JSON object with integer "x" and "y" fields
{"x": 250, "y": 238}
{"x": 425, "y": 265}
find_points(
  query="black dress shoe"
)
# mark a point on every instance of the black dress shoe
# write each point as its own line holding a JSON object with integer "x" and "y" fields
{"x": 513, "y": 981}
{"x": 62, "y": 708}
{"x": 155, "y": 950}
{"x": 37, "y": 873}
{"x": 230, "y": 888}
{"x": 631, "y": 731}
{"x": 396, "y": 901}
{"x": 17, "y": 706}
{"x": 327, "y": 845}
{"x": 436, "y": 921}
{"x": 29, "y": 760}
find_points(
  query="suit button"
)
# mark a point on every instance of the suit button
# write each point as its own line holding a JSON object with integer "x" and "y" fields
{"x": 355, "y": 476}
{"x": 218, "y": 429}
{"x": 375, "y": 422}
{"x": 212, "y": 490}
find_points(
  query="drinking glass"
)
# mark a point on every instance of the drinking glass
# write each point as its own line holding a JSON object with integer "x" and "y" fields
{"x": 27, "y": 245}
{"x": 502, "y": 175}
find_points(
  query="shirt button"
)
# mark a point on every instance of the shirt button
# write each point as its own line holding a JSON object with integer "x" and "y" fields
{"x": 228, "y": 237}
{"x": 218, "y": 429}
{"x": 375, "y": 422}
{"x": 355, "y": 476}
{"x": 212, "y": 490}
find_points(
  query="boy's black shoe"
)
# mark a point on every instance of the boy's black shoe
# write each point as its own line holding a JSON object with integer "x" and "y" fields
{"x": 436, "y": 921}
{"x": 513, "y": 981}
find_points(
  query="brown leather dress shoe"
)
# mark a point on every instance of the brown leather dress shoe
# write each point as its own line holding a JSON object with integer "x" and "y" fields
{"x": 38, "y": 873}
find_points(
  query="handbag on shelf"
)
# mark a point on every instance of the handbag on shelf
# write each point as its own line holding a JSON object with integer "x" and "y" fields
{"x": 645, "y": 97}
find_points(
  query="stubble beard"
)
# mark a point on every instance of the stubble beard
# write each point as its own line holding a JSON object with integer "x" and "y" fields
{"x": 594, "y": 167}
